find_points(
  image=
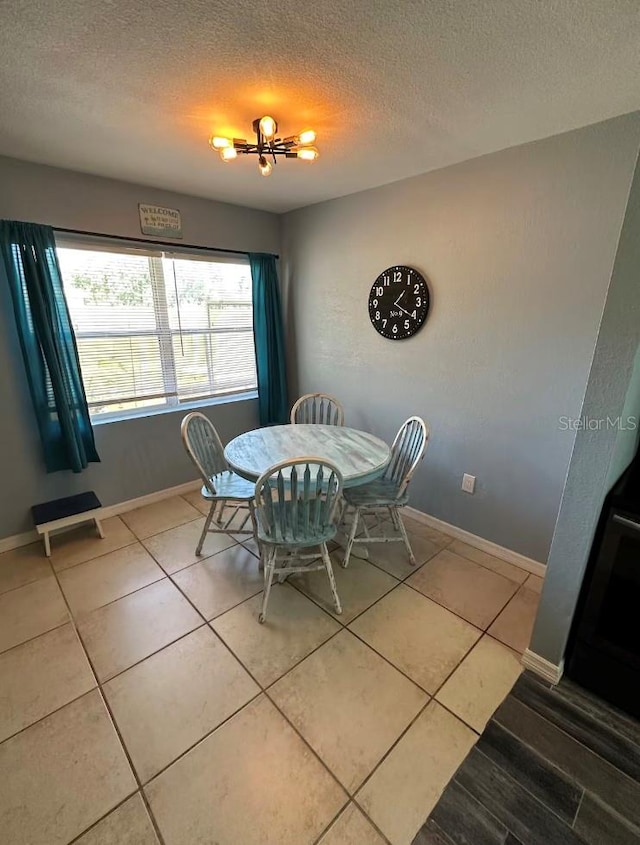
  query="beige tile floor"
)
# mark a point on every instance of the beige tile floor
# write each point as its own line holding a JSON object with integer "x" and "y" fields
{"x": 141, "y": 703}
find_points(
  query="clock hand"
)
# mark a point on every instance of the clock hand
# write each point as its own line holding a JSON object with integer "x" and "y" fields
{"x": 404, "y": 311}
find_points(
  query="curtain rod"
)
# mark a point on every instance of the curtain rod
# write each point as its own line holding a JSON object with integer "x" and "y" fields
{"x": 173, "y": 244}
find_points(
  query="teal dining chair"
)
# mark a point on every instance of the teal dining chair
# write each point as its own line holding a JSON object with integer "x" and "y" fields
{"x": 317, "y": 408}
{"x": 390, "y": 492}
{"x": 295, "y": 510}
{"x": 221, "y": 487}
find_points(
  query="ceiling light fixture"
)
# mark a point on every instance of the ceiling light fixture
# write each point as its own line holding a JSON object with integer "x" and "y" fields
{"x": 267, "y": 145}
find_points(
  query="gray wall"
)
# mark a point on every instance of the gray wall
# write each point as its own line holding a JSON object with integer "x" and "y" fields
{"x": 599, "y": 454}
{"x": 518, "y": 247}
{"x": 142, "y": 455}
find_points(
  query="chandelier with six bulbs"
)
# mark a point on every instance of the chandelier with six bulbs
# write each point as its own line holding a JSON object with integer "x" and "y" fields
{"x": 267, "y": 145}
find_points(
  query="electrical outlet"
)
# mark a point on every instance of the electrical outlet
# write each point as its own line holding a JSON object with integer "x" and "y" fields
{"x": 468, "y": 483}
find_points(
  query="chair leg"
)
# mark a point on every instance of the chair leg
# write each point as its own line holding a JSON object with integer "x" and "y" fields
{"x": 254, "y": 525}
{"x": 352, "y": 534}
{"x": 207, "y": 523}
{"x": 269, "y": 569}
{"x": 397, "y": 519}
{"x": 221, "y": 506}
{"x": 332, "y": 580}
{"x": 244, "y": 522}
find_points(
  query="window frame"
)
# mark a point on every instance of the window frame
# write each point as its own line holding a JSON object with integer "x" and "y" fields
{"x": 156, "y": 252}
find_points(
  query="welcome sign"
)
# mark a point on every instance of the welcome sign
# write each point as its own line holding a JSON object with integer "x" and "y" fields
{"x": 156, "y": 220}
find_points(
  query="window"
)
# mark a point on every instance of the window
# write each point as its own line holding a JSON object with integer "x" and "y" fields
{"x": 155, "y": 329}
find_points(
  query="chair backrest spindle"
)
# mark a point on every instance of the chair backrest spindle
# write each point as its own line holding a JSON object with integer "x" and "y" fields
{"x": 204, "y": 447}
{"x": 317, "y": 409}
{"x": 407, "y": 451}
{"x": 296, "y": 500}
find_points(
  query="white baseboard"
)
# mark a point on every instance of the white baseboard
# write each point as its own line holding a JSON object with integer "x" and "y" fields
{"x": 150, "y": 499}
{"x": 474, "y": 540}
{"x": 477, "y": 542}
{"x": 17, "y": 540}
{"x": 551, "y": 672}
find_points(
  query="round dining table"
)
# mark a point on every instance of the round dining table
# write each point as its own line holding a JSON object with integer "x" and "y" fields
{"x": 359, "y": 456}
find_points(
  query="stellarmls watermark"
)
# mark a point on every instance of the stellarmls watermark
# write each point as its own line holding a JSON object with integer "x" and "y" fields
{"x": 598, "y": 423}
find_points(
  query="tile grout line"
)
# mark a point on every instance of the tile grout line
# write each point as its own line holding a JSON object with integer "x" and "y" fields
{"x": 201, "y": 739}
{"x": 235, "y": 542}
{"x": 52, "y": 712}
{"x": 400, "y": 582}
{"x": 484, "y": 630}
{"x": 488, "y": 568}
{"x": 35, "y": 637}
{"x": 103, "y": 817}
{"x": 134, "y": 542}
{"x": 451, "y": 540}
{"x": 112, "y": 719}
{"x": 263, "y": 690}
{"x": 99, "y": 684}
{"x": 136, "y": 539}
{"x": 455, "y": 613}
{"x": 345, "y": 626}
{"x": 71, "y": 619}
{"x": 405, "y": 581}
{"x": 139, "y": 542}
{"x": 164, "y": 576}
{"x": 340, "y": 812}
{"x": 200, "y": 515}
{"x": 415, "y": 590}
{"x": 430, "y": 697}
{"x": 104, "y": 697}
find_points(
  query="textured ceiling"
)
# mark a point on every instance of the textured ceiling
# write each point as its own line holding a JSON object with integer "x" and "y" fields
{"x": 132, "y": 89}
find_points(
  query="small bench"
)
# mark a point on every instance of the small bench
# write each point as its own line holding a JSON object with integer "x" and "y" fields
{"x": 63, "y": 513}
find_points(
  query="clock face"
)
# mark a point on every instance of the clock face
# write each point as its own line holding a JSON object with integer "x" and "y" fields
{"x": 398, "y": 302}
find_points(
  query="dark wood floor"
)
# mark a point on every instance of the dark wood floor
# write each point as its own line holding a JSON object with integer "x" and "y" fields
{"x": 554, "y": 766}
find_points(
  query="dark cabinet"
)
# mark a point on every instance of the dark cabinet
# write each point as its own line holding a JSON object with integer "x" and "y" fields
{"x": 605, "y": 648}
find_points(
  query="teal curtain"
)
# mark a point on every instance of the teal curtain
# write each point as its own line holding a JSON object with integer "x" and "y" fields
{"x": 268, "y": 334}
{"x": 48, "y": 345}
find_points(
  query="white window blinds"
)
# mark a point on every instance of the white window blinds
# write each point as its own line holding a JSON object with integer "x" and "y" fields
{"x": 155, "y": 328}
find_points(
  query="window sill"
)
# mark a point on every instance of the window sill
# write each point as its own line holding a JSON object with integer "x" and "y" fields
{"x": 183, "y": 407}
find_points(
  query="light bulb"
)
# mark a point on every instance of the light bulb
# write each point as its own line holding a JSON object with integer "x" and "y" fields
{"x": 268, "y": 127}
{"x": 228, "y": 153}
{"x": 307, "y": 153}
{"x": 265, "y": 167}
{"x": 219, "y": 143}
{"x": 308, "y": 136}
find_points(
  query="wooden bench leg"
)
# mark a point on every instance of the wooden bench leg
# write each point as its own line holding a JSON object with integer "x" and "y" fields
{"x": 99, "y": 529}
{"x": 47, "y": 544}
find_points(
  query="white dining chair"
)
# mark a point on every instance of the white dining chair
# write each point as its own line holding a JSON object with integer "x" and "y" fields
{"x": 295, "y": 509}
{"x": 221, "y": 487}
{"x": 318, "y": 408}
{"x": 390, "y": 492}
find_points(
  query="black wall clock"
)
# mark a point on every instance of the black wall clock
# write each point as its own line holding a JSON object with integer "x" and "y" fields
{"x": 398, "y": 302}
